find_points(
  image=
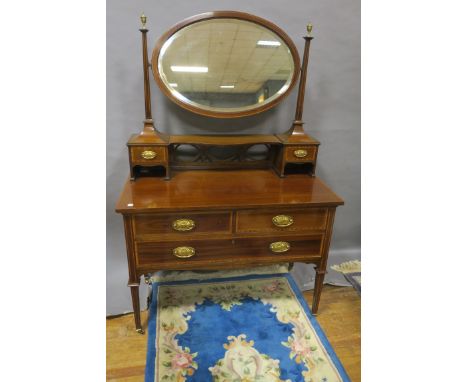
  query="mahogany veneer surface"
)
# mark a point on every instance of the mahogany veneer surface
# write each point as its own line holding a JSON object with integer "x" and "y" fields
{"x": 205, "y": 189}
{"x": 224, "y": 139}
{"x": 259, "y": 220}
{"x": 231, "y": 223}
{"x": 220, "y": 253}
{"x": 148, "y": 227}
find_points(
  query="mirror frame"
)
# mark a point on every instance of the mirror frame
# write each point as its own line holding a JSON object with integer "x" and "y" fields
{"x": 224, "y": 15}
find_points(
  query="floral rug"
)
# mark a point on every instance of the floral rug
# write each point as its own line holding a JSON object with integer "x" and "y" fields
{"x": 255, "y": 328}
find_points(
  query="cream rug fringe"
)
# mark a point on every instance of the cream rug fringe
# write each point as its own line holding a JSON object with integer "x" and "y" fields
{"x": 163, "y": 276}
{"x": 348, "y": 267}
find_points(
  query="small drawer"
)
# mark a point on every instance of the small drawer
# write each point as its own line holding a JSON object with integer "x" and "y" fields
{"x": 282, "y": 249}
{"x": 183, "y": 254}
{"x": 300, "y": 153}
{"x": 148, "y": 154}
{"x": 150, "y": 227}
{"x": 290, "y": 220}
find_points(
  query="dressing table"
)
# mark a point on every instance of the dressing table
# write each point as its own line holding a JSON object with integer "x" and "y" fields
{"x": 224, "y": 201}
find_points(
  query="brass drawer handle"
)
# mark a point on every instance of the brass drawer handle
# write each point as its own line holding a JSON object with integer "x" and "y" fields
{"x": 148, "y": 154}
{"x": 300, "y": 153}
{"x": 280, "y": 246}
{"x": 183, "y": 252}
{"x": 183, "y": 225}
{"x": 282, "y": 220}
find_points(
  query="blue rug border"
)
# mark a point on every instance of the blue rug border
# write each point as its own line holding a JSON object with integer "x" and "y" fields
{"x": 151, "y": 352}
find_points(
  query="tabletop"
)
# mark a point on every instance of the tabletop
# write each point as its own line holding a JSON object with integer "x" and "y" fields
{"x": 214, "y": 189}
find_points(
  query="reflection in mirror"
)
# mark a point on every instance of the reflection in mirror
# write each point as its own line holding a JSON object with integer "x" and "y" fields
{"x": 226, "y": 65}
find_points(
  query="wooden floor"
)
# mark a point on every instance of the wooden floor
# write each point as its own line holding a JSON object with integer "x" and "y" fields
{"x": 339, "y": 316}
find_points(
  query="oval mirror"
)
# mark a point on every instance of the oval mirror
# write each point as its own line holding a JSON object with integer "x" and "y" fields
{"x": 225, "y": 64}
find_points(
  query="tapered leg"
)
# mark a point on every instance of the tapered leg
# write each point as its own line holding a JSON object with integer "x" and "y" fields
{"x": 135, "y": 289}
{"x": 319, "y": 277}
{"x": 321, "y": 267}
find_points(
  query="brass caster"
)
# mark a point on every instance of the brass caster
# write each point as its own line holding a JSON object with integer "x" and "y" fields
{"x": 141, "y": 331}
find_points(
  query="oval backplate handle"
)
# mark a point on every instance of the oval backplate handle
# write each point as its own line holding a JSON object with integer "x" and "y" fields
{"x": 300, "y": 153}
{"x": 183, "y": 225}
{"x": 283, "y": 220}
{"x": 183, "y": 252}
{"x": 280, "y": 246}
{"x": 148, "y": 154}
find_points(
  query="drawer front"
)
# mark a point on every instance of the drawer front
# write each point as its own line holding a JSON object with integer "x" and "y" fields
{"x": 183, "y": 254}
{"x": 148, "y": 154}
{"x": 205, "y": 254}
{"x": 277, "y": 221}
{"x": 300, "y": 153}
{"x": 150, "y": 227}
{"x": 281, "y": 249}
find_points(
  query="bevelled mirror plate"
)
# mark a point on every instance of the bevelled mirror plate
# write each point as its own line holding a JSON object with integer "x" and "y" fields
{"x": 225, "y": 64}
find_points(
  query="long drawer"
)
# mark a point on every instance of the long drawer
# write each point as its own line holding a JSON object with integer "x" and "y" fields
{"x": 192, "y": 254}
{"x": 180, "y": 225}
{"x": 276, "y": 221}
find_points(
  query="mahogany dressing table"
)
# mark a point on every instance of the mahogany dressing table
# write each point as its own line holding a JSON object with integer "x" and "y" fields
{"x": 225, "y": 201}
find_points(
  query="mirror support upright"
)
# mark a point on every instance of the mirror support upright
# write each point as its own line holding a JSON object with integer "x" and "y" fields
{"x": 148, "y": 127}
{"x": 304, "y": 147}
{"x": 149, "y": 150}
{"x": 303, "y": 79}
{"x": 297, "y": 130}
{"x": 144, "y": 43}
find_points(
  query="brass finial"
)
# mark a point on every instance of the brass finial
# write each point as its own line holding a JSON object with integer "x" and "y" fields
{"x": 143, "y": 21}
{"x": 309, "y": 29}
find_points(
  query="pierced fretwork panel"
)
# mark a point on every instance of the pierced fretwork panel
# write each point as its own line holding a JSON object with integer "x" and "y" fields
{"x": 214, "y": 156}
